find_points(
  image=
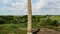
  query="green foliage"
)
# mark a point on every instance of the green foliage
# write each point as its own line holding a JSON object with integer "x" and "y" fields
{"x": 55, "y": 23}
{"x": 11, "y": 28}
{"x": 46, "y": 22}
{"x": 10, "y": 23}
{"x": 37, "y": 21}
{"x": 13, "y": 19}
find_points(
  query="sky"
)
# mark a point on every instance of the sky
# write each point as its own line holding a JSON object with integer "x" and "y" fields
{"x": 39, "y": 7}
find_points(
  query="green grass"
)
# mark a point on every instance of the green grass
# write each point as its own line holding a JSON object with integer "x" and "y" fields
{"x": 22, "y": 25}
{"x": 12, "y": 28}
{"x": 15, "y": 30}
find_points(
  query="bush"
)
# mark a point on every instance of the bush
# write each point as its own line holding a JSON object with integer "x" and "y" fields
{"x": 55, "y": 23}
{"x": 2, "y": 22}
{"x": 46, "y": 22}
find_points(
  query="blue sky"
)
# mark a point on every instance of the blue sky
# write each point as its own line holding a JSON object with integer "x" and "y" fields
{"x": 39, "y": 7}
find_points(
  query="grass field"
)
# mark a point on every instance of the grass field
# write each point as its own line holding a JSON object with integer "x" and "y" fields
{"x": 12, "y": 29}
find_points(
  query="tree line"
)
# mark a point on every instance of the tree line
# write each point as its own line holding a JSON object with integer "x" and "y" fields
{"x": 39, "y": 20}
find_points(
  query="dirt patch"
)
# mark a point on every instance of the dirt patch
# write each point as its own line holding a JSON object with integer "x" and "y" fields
{"x": 47, "y": 31}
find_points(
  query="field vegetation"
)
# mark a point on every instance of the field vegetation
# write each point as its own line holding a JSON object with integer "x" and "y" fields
{"x": 11, "y": 24}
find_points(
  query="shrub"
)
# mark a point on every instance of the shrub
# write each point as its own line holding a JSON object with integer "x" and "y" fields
{"x": 55, "y": 23}
{"x": 2, "y": 22}
{"x": 47, "y": 21}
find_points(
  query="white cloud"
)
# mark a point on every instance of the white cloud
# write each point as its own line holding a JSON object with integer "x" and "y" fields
{"x": 47, "y": 7}
{"x": 14, "y": 8}
{"x": 40, "y": 7}
{"x": 4, "y": 1}
{"x": 54, "y": 0}
{"x": 37, "y": 6}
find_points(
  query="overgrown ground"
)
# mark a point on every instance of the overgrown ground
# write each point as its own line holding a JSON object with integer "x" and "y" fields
{"x": 12, "y": 24}
{"x": 15, "y": 29}
{"x": 12, "y": 29}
